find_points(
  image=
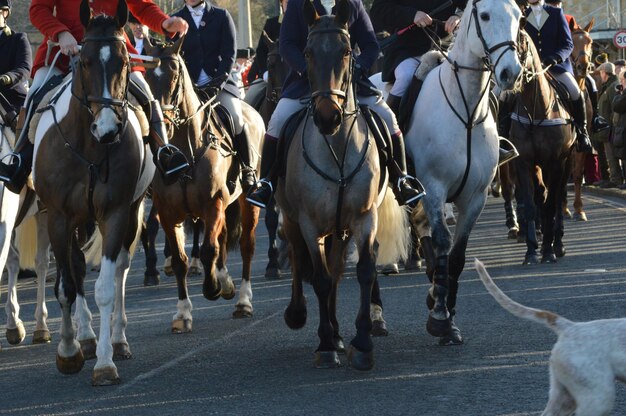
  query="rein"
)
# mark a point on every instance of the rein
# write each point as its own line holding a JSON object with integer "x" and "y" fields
{"x": 272, "y": 93}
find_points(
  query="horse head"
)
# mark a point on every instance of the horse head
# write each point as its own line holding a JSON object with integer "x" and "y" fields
{"x": 328, "y": 55}
{"x": 496, "y": 23}
{"x": 277, "y": 70}
{"x": 102, "y": 76}
{"x": 167, "y": 79}
{"x": 581, "y": 54}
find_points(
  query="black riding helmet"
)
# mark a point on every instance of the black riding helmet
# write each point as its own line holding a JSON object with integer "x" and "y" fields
{"x": 5, "y": 5}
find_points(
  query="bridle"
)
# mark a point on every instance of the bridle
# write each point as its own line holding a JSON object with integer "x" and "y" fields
{"x": 582, "y": 54}
{"x": 273, "y": 92}
{"x": 332, "y": 93}
{"x": 118, "y": 106}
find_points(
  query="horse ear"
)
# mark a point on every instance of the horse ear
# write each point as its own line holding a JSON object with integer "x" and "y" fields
{"x": 310, "y": 14}
{"x": 148, "y": 47}
{"x": 85, "y": 13}
{"x": 266, "y": 39}
{"x": 522, "y": 22}
{"x": 121, "y": 13}
{"x": 342, "y": 12}
{"x": 178, "y": 44}
{"x": 590, "y": 25}
{"x": 572, "y": 25}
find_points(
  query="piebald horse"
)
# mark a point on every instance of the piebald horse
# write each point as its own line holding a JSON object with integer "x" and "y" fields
{"x": 332, "y": 190}
{"x": 455, "y": 148}
{"x": 91, "y": 164}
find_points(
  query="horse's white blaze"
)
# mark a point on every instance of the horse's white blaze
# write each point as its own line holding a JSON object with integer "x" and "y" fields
{"x": 106, "y": 121}
{"x": 245, "y": 293}
{"x": 158, "y": 72}
{"x": 105, "y": 294}
{"x": 83, "y": 318}
{"x": 118, "y": 334}
{"x": 184, "y": 310}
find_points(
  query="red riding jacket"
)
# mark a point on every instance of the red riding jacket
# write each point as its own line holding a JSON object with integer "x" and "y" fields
{"x": 66, "y": 17}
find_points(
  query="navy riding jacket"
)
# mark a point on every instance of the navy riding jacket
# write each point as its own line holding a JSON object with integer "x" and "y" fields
{"x": 552, "y": 37}
{"x": 293, "y": 38}
{"x": 212, "y": 46}
{"x": 16, "y": 62}
{"x": 259, "y": 66}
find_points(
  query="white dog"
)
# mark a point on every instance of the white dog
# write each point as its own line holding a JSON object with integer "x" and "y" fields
{"x": 585, "y": 362}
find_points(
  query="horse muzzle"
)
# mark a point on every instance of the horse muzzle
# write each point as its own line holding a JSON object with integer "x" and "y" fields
{"x": 507, "y": 76}
{"x": 327, "y": 116}
{"x": 106, "y": 127}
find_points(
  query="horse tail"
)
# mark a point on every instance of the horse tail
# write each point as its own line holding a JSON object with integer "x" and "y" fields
{"x": 394, "y": 233}
{"x": 93, "y": 249}
{"x": 233, "y": 226}
{"x": 140, "y": 213}
{"x": 553, "y": 321}
{"x": 26, "y": 242}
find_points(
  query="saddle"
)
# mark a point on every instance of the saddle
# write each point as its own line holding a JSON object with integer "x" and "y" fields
{"x": 563, "y": 97}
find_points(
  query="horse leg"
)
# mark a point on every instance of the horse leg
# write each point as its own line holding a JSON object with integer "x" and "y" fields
{"x": 379, "y": 326}
{"x": 114, "y": 231}
{"x": 301, "y": 269}
{"x": 577, "y": 172}
{"x": 196, "y": 264}
{"x": 439, "y": 323}
{"x": 82, "y": 315}
{"x": 507, "y": 195}
{"x": 336, "y": 250}
{"x": 526, "y": 204}
{"x": 182, "y": 320}
{"x": 559, "y": 187}
{"x": 272, "y": 271}
{"x": 121, "y": 349}
{"x": 214, "y": 226}
{"x": 42, "y": 261}
{"x": 414, "y": 261}
{"x": 247, "y": 244}
{"x": 15, "y": 332}
{"x": 148, "y": 238}
{"x": 69, "y": 358}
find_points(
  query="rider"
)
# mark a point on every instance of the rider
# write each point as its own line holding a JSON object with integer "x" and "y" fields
{"x": 272, "y": 30}
{"x": 209, "y": 53}
{"x": 598, "y": 122}
{"x": 293, "y": 38}
{"x": 15, "y": 66}
{"x": 402, "y": 57}
{"x": 550, "y": 32}
{"x": 59, "y": 21}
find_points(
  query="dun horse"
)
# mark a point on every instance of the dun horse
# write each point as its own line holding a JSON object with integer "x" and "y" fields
{"x": 543, "y": 136}
{"x": 332, "y": 189}
{"x": 210, "y": 190}
{"x": 455, "y": 149}
{"x": 91, "y": 164}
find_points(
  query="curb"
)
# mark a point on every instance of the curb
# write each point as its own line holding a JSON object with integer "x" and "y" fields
{"x": 594, "y": 190}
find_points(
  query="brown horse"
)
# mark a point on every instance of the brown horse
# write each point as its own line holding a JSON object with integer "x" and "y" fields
{"x": 209, "y": 191}
{"x": 581, "y": 60}
{"x": 543, "y": 135}
{"x": 331, "y": 188}
{"x": 91, "y": 164}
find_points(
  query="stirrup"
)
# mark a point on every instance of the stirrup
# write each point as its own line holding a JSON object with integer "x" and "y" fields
{"x": 172, "y": 149}
{"x": 259, "y": 187}
{"x": 416, "y": 185}
{"x": 12, "y": 159}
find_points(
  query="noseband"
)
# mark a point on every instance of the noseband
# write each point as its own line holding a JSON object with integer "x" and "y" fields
{"x": 332, "y": 93}
{"x": 111, "y": 103}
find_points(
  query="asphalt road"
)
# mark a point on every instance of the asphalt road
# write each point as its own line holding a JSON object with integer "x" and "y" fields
{"x": 258, "y": 366}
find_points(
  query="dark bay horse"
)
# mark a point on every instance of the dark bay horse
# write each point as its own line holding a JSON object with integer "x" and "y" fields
{"x": 210, "y": 190}
{"x": 91, "y": 164}
{"x": 277, "y": 70}
{"x": 331, "y": 188}
{"x": 543, "y": 135}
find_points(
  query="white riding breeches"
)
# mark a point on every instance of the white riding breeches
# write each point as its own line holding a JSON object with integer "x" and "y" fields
{"x": 569, "y": 81}
{"x": 233, "y": 105}
{"x": 404, "y": 74}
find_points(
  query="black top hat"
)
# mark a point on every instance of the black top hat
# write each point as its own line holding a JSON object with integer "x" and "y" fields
{"x": 243, "y": 53}
{"x": 131, "y": 18}
{"x": 5, "y": 4}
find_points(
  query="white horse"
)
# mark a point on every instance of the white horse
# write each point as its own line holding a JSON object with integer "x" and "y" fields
{"x": 22, "y": 208}
{"x": 455, "y": 147}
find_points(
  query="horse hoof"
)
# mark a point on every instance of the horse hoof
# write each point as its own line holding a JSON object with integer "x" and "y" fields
{"x": 295, "y": 318}
{"x": 512, "y": 235}
{"x": 106, "y": 376}
{"x": 181, "y": 326}
{"x": 17, "y": 334}
{"x": 559, "y": 251}
{"x": 388, "y": 269}
{"x": 70, "y": 365}
{"x": 242, "y": 311}
{"x": 167, "y": 267}
{"x": 453, "y": 338}
{"x": 121, "y": 351}
{"x": 530, "y": 259}
{"x": 213, "y": 295}
{"x": 272, "y": 273}
{"x": 42, "y": 336}
{"x": 228, "y": 293}
{"x": 151, "y": 280}
{"x": 359, "y": 360}
{"x": 88, "y": 348}
{"x": 412, "y": 265}
{"x": 341, "y": 348}
{"x": 579, "y": 216}
{"x": 438, "y": 327}
{"x": 326, "y": 359}
{"x": 379, "y": 328}
{"x": 549, "y": 258}
{"x": 567, "y": 214}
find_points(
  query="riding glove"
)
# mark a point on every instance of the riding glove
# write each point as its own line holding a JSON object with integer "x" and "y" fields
{"x": 551, "y": 60}
{"x": 5, "y": 79}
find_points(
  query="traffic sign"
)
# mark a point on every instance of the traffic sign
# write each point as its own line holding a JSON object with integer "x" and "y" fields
{"x": 620, "y": 39}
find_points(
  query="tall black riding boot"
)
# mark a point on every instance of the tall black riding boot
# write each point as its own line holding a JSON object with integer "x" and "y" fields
{"x": 408, "y": 189}
{"x": 261, "y": 193}
{"x": 598, "y": 123}
{"x": 16, "y": 166}
{"x": 245, "y": 153}
{"x": 583, "y": 144}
